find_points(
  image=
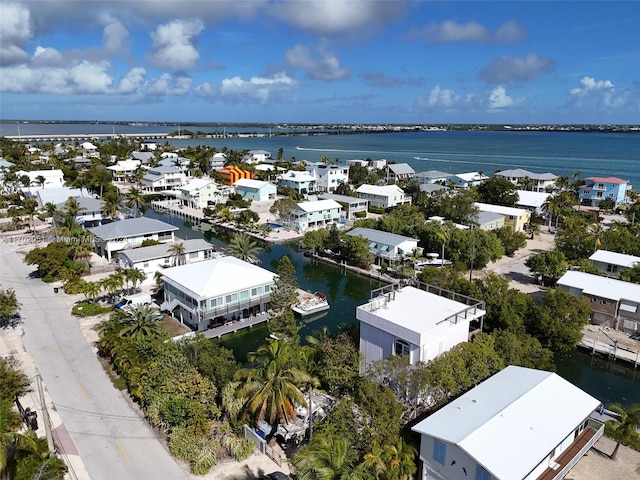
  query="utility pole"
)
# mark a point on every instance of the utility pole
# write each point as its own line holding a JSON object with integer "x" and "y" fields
{"x": 310, "y": 412}
{"x": 45, "y": 414}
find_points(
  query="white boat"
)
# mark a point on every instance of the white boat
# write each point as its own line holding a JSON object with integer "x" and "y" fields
{"x": 311, "y": 304}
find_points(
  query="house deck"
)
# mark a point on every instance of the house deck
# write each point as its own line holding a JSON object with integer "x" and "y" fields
{"x": 568, "y": 456}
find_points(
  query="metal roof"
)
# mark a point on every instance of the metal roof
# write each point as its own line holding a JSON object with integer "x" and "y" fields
{"x": 511, "y": 421}
{"x": 614, "y": 258}
{"x": 486, "y": 207}
{"x": 213, "y": 278}
{"x": 401, "y": 168}
{"x": 379, "y": 236}
{"x": 131, "y": 227}
{"x": 319, "y": 205}
{"x": 382, "y": 190}
{"x": 598, "y": 286}
{"x": 532, "y": 199}
{"x": 163, "y": 250}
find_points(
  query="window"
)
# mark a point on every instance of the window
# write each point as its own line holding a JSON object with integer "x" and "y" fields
{"x": 145, "y": 264}
{"x": 215, "y": 302}
{"x": 402, "y": 348}
{"x": 612, "y": 268}
{"x": 244, "y": 294}
{"x": 267, "y": 288}
{"x": 193, "y": 255}
{"x": 233, "y": 298}
{"x": 439, "y": 451}
{"x": 481, "y": 473}
{"x": 256, "y": 291}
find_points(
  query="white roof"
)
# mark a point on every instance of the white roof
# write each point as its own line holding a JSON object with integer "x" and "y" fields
{"x": 486, "y": 207}
{"x": 511, "y": 421}
{"x": 532, "y": 199}
{"x": 33, "y": 174}
{"x": 382, "y": 190}
{"x": 379, "y": 236}
{"x": 298, "y": 176}
{"x": 613, "y": 258}
{"x": 163, "y": 250}
{"x": 125, "y": 165}
{"x": 598, "y": 286}
{"x": 471, "y": 176}
{"x": 319, "y": 205}
{"x": 196, "y": 184}
{"x": 249, "y": 183}
{"x": 212, "y": 278}
{"x": 416, "y": 311}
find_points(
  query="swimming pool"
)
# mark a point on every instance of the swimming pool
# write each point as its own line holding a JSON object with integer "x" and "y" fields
{"x": 273, "y": 226}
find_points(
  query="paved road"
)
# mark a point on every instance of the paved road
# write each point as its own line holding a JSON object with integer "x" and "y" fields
{"x": 110, "y": 437}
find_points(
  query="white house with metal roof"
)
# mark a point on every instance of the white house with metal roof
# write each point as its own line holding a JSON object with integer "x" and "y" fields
{"x": 164, "y": 177}
{"x": 614, "y": 303}
{"x": 301, "y": 181}
{"x": 199, "y": 193}
{"x": 57, "y": 195}
{"x": 382, "y": 196}
{"x": 613, "y": 263}
{"x": 519, "y": 424}
{"x": 433, "y": 176}
{"x": 125, "y": 168}
{"x": 212, "y": 292}
{"x": 152, "y": 259}
{"x": 90, "y": 214}
{"x": 352, "y": 207}
{"x": 256, "y": 190}
{"x": 538, "y": 182}
{"x": 315, "y": 214}
{"x": 516, "y": 218}
{"x": 533, "y": 201}
{"x": 130, "y": 233}
{"x": 52, "y": 178}
{"x": 254, "y": 157}
{"x": 489, "y": 221}
{"x": 397, "y": 172}
{"x": 468, "y": 180}
{"x": 385, "y": 245}
{"x": 415, "y": 322}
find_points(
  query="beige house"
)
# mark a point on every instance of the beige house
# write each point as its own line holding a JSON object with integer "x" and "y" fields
{"x": 516, "y": 218}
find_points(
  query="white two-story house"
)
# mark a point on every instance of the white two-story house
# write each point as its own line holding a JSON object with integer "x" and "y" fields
{"x": 211, "y": 292}
{"x": 164, "y": 178}
{"x": 199, "y": 193}
{"x": 384, "y": 245}
{"x": 320, "y": 213}
{"x": 520, "y": 424}
{"x": 300, "y": 181}
{"x": 382, "y": 196}
{"x": 328, "y": 177}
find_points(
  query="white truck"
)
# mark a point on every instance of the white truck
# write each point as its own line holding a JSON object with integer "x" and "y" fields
{"x": 130, "y": 301}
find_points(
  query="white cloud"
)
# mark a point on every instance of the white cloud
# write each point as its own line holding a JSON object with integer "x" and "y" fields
{"x": 324, "y": 67}
{"x": 167, "y": 85}
{"x": 449, "y": 31}
{"x": 175, "y": 45}
{"x": 261, "y": 89}
{"x": 506, "y": 70}
{"x": 15, "y": 31}
{"x": 337, "y": 16}
{"x": 599, "y": 92}
{"x": 590, "y": 85}
{"x": 91, "y": 77}
{"x": 132, "y": 81}
{"x": 440, "y": 99}
{"x": 498, "y": 98}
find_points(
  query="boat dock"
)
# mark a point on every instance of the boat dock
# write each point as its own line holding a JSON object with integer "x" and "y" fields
{"x": 235, "y": 325}
{"x": 613, "y": 343}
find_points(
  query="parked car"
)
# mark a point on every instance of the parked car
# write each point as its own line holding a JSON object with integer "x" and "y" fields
{"x": 274, "y": 476}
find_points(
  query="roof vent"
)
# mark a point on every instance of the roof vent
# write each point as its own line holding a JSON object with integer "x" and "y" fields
{"x": 475, "y": 400}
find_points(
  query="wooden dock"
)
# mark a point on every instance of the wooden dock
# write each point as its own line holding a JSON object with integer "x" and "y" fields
{"x": 235, "y": 325}
{"x": 612, "y": 343}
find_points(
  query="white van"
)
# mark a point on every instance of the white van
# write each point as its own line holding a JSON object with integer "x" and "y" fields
{"x": 130, "y": 301}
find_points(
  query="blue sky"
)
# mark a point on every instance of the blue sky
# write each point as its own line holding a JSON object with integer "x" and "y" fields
{"x": 353, "y": 61}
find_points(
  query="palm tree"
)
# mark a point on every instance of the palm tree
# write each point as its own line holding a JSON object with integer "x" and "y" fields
{"x": 50, "y": 210}
{"x": 400, "y": 460}
{"x": 140, "y": 321}
{"x": 111, "y": 204}
{"x": 92, "y": 289}
{"x": 134, "y": 275}
{"x": 444, "y": 235}
{"x": 271, "y": 387}
{"x": 625, "y": 429}
{"x": 30, "y": 205}
{"x": 327, "y": 457}
{"x": 526, "y": 183}
{"x": 135, "y": 199}
{"x": 242, "y": 246}
{"x": 177, "y": 253}
{"x": 73, "y": 207}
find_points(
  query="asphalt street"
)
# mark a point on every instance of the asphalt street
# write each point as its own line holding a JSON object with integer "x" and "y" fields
{"x": 113, "y": 441}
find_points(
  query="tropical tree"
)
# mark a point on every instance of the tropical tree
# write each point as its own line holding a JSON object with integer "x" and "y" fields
{"x": 242, "y": 246}
{"x": 625, "y": 430}
{"x": 29, "y": 206}
{"x": 177, "y": 253}
{"x": 91, "y": 289}
{"x": 111, "y": 204}
{"x": 73, "y": 207}
{"x": 139, "y": 321}
{"x": 444, "y": 235}
{"x": 327, "y": 457}
{"x": 134, "y": 275}
{"x": 272, "y": 386}
{"x": 50, "y": 210}
{"x": 135, "y": 199}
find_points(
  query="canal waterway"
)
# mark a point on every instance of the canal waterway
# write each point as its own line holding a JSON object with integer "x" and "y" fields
{"x": 610, "y": 382}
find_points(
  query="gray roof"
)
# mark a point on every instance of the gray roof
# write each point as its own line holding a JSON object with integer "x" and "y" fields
{"x": 89, "y": 204}
{"x": 431, "y": 187}
{"x": 131, "y": 227}
{"x": 142, "y": 156}
{"x": 166, "y": 169}
{"x": 521, "y": 173}
{"x": 163, "y": 250}
{"x": 151, "y": 177}
{"x": 379, "y": 236}
{"x": 340, "y": 198}
{"x": 401, "y": 168}
{"x": 486, "y": 217}
{"x": 433, "y": 174}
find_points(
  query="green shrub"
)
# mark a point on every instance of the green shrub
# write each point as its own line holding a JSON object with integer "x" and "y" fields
{"x": 360, "y": 214}
{"x": 89, "y": 309}
{"x": 373, "y": 209}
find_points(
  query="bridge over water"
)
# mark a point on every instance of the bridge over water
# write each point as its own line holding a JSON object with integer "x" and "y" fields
{"x": 86, "y": 137}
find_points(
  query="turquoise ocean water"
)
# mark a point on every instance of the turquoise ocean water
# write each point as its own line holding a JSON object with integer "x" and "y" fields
{"x": 561, "y": 153}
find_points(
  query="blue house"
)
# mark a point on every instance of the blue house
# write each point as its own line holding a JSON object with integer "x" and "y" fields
{"x": 597, "y": 189}
{"x": 256, "y": 190}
